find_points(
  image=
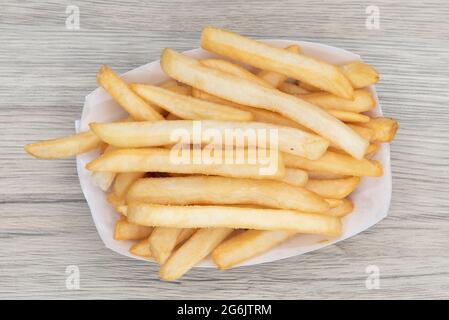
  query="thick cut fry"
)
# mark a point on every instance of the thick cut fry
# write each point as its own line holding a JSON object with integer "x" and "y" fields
{"x": 246, "y": 245}
{"x": 293, "y": 89}
{"x": 333, "y": 162}
{"x": 64, "y": 147}
{"x": 384, "y": 129}
{"x": 123, "y": 181}
{"x": 360, "y": 74}
{"x": 276, "y": 79}
{"x": 226, "y": 191}
{"x": 295, "y": 177}
{"x": 160, "y": 133}
{"x": 363, "y": 101}
{"x": 141, "y": 249}
{"x": 162, "y": 160}
{"x": 125, "y": 97}
{"x": 343, "y": 207}
{"x": 234, "y": 69}
{"x": 227, "y": 86}
{"x": 232, "y": 217}
{"x": 187, "y": 107}
{"x": 125, "y": 230}
{"x": 335, "y": 188}
{"x": 348, "y": 116}
{"x": 193, "y": 251}
{"x": 162, "y": 242}
{"x": 316, "y": 72}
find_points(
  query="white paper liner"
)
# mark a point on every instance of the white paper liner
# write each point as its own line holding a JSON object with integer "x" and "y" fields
{"x": 371, "y": 199}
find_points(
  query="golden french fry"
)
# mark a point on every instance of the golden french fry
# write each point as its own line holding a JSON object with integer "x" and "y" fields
{"x": 160, "y": 133}
{"x": 363, "y": 101}
{"x": 187, "y": 107}
{"x": 333, "y": 162}
{"x": 335, "y": 188}
{"x": 246, "y": 245}
{"x": 384, "y": 129}
{"x": 323, "y": 175}
{"x": 123, "y": 181}
{"x": 125, "y": 230}
{"x": 177, "y": 87}
{"x": 224, "y": 191}
{"x": 295, "y": 177}
{"x": 141, "y": 249}
{"x": 276, "y": 79}
{"x": 162, "y": 242}
{"x": 316, "y": 72}
{"x": 193, "y": 251}
{"x": 64, "y": 147}
{"x": 162, "y": 160}
{"x": 184, "y": 235}
{"x": 293, "y": 89}
{"x": 232, "y": 217}
{"x": 348, "y": 116}
{"x": 234, "y": 69}
{"x": 242, "y": 91}
{"x": 342, "y": 208}
{"x": 360, "y": 74}
{"x": 125, "y": 97}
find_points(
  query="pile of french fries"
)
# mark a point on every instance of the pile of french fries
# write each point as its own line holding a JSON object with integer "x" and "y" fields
{"x": 178, "y": 214}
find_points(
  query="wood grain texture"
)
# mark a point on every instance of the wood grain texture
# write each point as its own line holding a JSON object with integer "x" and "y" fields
{"x": 46, "y": 70}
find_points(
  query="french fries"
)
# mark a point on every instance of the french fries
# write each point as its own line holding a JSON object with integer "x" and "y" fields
{"x": 333, "y": 162}
{"x": 160, "y": 133}
{"x": 125, "y": 230}
{"x": 160, "y": 160}
{"x": 193, "y": 251}
{"x": 64, "y": 147}
{"x": 187, "y": 107}
{"x": 318, "y": 73}
{"x": 125, "y": 97}
{"x": 224, "y": 191}
{"x": 230, "y": 87}
{"x": 246, "y": 245}
{"x": 363, "y": 101}
{"x": 276, "y": 79}
{"x": 227, "y": 160}
{"x": 232, "y": 217}
{"x": 333, "y": 188}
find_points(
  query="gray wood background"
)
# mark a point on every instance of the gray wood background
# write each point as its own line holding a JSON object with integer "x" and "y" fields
{"x": 46, "y": 71}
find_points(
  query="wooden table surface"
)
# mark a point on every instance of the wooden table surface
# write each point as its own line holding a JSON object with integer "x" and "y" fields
{"x": 46, "y": 70}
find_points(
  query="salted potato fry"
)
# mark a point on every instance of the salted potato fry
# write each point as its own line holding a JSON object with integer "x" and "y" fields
{"x": 193, "y": 251}
{"x": 343, "y": 208}
{"x": 161, "y": 160}
{"x": 162, "y": 242}
{"x": 316, "y": 72}
{"x": 234, "y": 69}
{"x": 123, "y": 181}
{"x": 333, "y": 162}
{"x": 246, "y": 245}
{"x": 363, "y": 101}
{"x": 125, "y": 230}
{"x": 335, "y": 188}
{"x": 293, "y": 89}
{"x": 187, "y": 107}
{"x": 232, "y": 217}
{"x": 360, "y": 74}
{"x": 295, "y": 177}
{"x": 125, "y": 97}
{"x": 276, "y": 79}
{"x": 225, "y": 191}
{"x": 160, "y": 133}
{"x": 384, "y": 129}
{"x": 64, "y": 147}
{"x": 238, "y": 90}
{"x": 141, "y": 249}
{"x": 348, "y": 116}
